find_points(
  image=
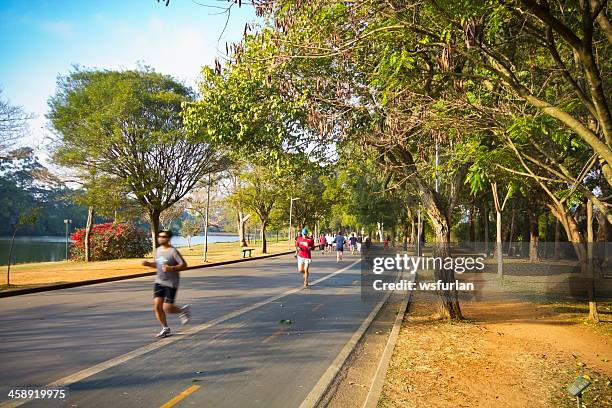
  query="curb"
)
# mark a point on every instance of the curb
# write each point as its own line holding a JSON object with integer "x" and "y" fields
{"x": 318, "y": 392}
{"x": 381, "y": 371}
{"x": 47, "y": 288}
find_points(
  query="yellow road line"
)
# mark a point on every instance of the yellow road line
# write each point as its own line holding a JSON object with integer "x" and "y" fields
{"x": 273, "y": 336}
{"x": 317, "y": 307}
{"x": 341, "y": 291}
{"x": 181, "y": 396}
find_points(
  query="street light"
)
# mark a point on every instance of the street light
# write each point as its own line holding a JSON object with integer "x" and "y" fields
{"x": 290, "y": 212}
{"x": 67, "y": 222}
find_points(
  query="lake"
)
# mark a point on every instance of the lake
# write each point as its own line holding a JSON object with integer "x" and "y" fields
{"x": 50, "y": 249}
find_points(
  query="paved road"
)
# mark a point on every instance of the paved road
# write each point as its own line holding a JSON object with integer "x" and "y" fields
{"x": 234, "y": 353}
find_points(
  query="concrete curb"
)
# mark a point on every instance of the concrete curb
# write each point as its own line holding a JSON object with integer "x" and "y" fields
{"x": 381, "y": 371}
{"x": 47, "y": 288}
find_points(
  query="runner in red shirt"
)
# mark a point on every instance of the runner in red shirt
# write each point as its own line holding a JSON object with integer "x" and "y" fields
{"x": 303, "y": 246}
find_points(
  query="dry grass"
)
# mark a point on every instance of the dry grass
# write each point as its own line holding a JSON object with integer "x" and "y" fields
{"x": 45, "y": 273}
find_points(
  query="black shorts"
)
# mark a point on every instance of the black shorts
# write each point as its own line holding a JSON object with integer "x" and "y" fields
{"x": 166, "y": 292}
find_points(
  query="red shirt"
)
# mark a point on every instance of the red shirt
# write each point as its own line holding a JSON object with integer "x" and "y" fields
{"x": 304, "y": 246}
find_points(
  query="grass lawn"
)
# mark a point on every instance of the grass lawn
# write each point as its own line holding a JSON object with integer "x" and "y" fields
{"x": 45, "y": 273}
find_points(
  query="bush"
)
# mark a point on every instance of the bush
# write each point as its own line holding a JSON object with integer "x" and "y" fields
{"x": 111, "y": 241}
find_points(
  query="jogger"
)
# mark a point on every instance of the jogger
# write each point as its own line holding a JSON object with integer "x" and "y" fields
{"x": 168, "y": 262}
{"x": 304, "y": 245}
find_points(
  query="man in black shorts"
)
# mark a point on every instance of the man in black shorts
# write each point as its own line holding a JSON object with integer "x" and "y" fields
{"x": 169, "y": 263}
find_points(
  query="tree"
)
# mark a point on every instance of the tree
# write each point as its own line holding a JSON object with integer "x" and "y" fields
{"x": 128, "y": 125}
{"x": 13, "y": 124}
{"x": 190, "y": 228}
{"x": 260, "y": 195}
{"x": 26, "y": 218}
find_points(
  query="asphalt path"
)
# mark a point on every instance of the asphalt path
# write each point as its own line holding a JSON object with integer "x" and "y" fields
{"x": 98, "y": 341}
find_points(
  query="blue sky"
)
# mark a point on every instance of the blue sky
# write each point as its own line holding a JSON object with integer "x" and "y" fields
{"x": 44, "y": 39}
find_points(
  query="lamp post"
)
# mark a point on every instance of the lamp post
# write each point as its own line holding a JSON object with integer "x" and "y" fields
{"x": 67, "y": 222}
{"x": 290, "y": 214}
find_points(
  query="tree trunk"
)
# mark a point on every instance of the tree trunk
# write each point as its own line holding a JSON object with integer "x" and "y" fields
{"x": 154, "y": 219}
{"x": 242, "y": 219}
{"x": 264, "y": 242}
{"x": 593, "y": 315}
{"x": 406, "y": 235}
{"x": 379, "y": 226}
{"x": 449, "y": 301}
{"x": 486, "y": 228}
{"x": 603, "y": 235}
{"x": 498, "y": 247}
{"x": 557, "y": 253}
{"x": 511, "y": 235}
{"x": 472, "y": 226}
{"x": 88, "y": 228}
{"x": 534, "y": 237}
{"x": 206, "y": 219}
{"x": 10, "y": 254}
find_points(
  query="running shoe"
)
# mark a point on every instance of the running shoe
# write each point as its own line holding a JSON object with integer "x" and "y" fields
{"x": 186, "y": 315}
{"x": 165, "y": 332}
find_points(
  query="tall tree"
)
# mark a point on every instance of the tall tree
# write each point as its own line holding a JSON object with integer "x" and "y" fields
{"x": 128, "y": 125}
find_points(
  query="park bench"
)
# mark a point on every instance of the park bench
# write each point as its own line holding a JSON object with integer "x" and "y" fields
{"x": 244, "y": 251}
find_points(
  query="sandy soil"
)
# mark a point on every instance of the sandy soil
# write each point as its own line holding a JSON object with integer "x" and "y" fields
{"x": 506, "y": 354}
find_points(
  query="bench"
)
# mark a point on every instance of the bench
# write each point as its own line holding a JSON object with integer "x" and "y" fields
{"x": 244, "y": 251}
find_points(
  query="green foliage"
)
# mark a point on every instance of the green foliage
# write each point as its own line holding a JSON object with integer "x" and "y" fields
{"x": 190, "y": 227}
{"x": 124, "y": 129}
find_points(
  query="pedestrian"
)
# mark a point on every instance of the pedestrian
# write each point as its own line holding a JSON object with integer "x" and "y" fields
{"x": 168, "y": 262}
{"x": 322, "y": 243}
{"x": 339, "y": 241}
{"x": 330, "y": 241}
{"x": 303, "y": 246}
{"x": 352, "y": 243}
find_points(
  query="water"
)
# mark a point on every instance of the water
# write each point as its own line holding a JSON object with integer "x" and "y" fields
{"x": 53, "y": 248}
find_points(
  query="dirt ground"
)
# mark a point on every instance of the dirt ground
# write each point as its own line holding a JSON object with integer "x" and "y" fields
{"x": 505, "y": 354}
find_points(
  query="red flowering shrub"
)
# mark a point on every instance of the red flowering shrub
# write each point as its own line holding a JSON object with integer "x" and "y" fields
{"x": 111, "y": 241}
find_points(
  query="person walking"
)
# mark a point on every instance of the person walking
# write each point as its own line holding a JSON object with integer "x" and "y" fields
{"x": 168, "y": 262}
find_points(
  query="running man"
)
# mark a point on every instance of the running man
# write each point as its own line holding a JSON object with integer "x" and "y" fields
{"x": 169, "y": 263}
{"x": 353, "y": 243}
{"x": 330, "y": 241}
{"x": 322, "y": 243}
{"x": 303, "y": 246}
{"x": 339, "y": 240}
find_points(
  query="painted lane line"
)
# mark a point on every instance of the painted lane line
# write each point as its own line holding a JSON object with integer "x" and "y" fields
{"x": 184, "y": 394}
{"x": 105, "y": 365}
